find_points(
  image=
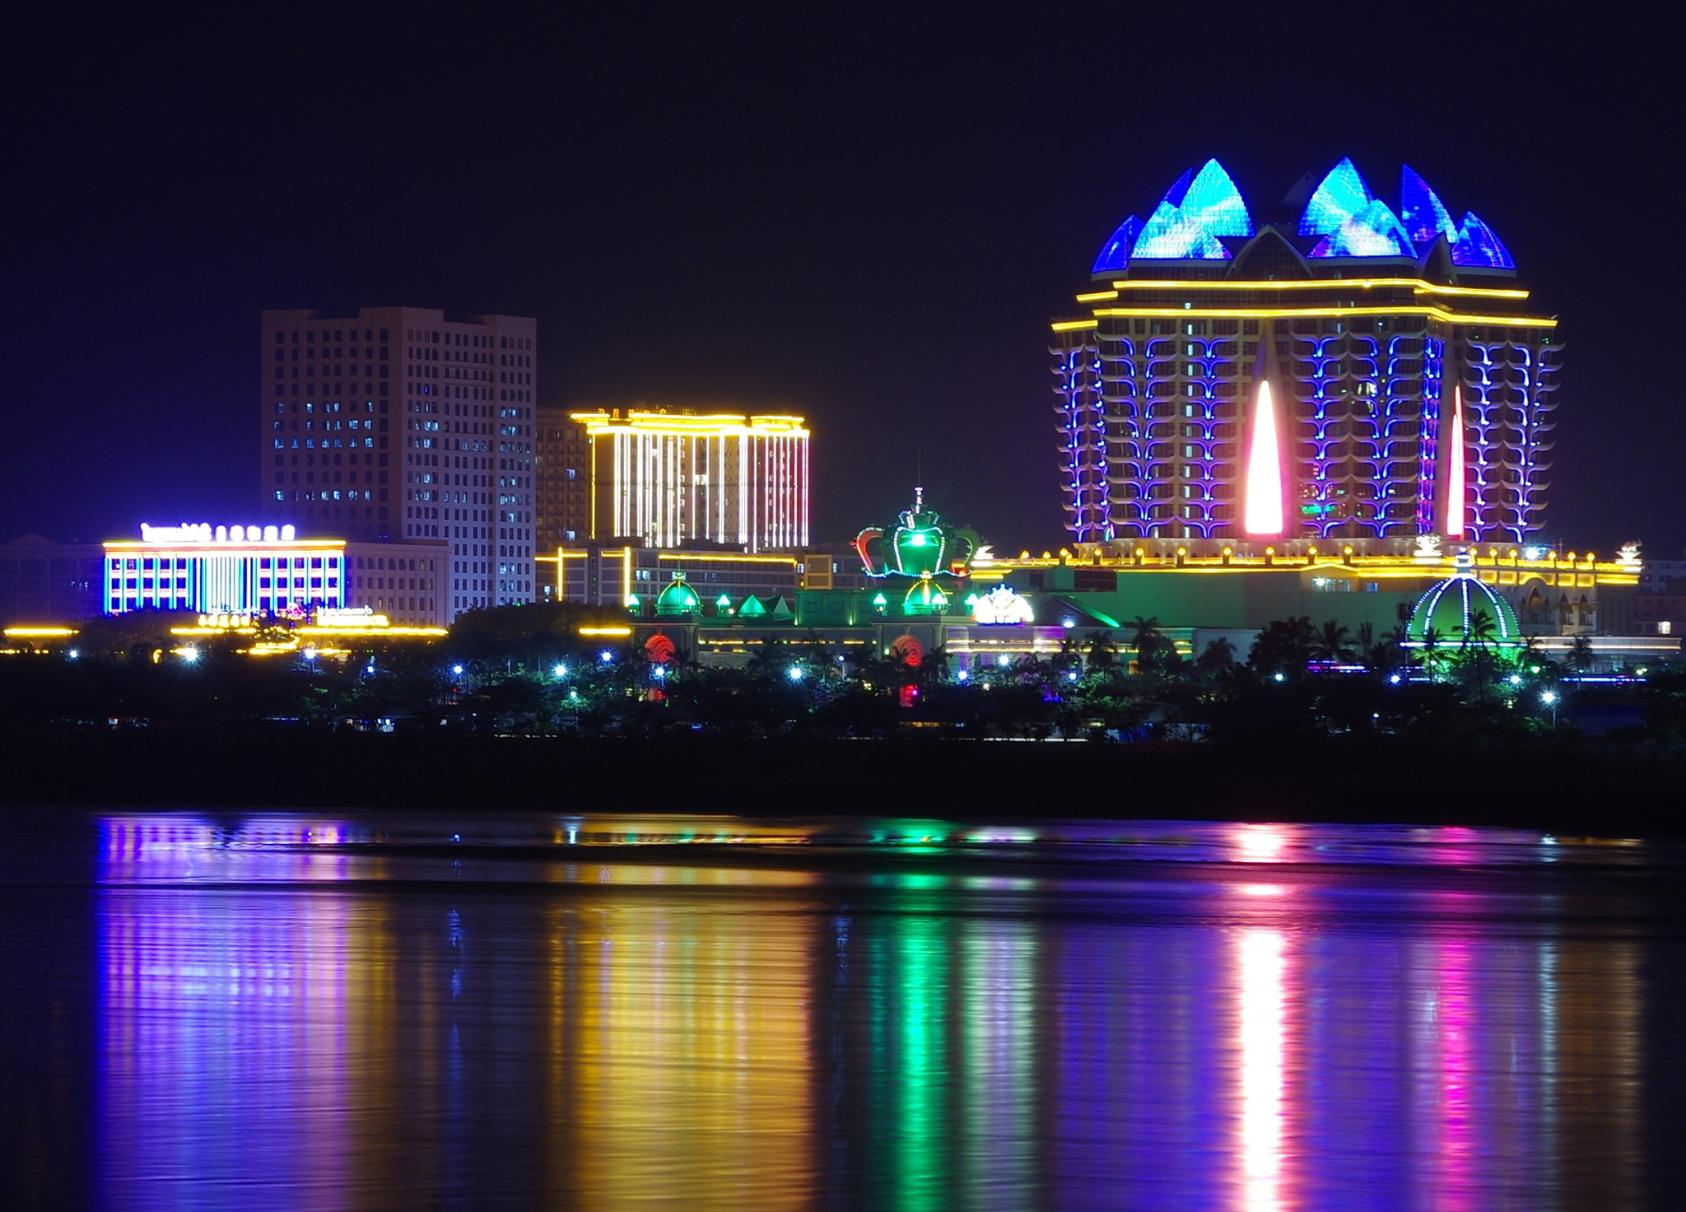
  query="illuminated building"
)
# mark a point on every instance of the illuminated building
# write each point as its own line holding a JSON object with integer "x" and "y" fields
{"x": 562, "y": 480}
{"x": 397, "y": 425}
{"x": 675, "y": 478}
{"x": 269, "y": 570}
{"x": 633, "y": 577}
{"x": 1341, "y": 368}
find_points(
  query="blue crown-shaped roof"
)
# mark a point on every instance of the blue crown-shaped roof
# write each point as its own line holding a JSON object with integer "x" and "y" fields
{"x": 1198, "y": 209}
{"x": 1352, "y": 221}
{"x": 1478, "y": 246}
{"x": 1203, "y": 209}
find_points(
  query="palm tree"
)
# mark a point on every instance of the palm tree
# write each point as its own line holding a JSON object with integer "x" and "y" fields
{"x": 1148, "y": 641}
{"x": 1331, "y": 643}
{"x": 1432, "y": 656}
{"x": 1481, "y": 631}
{"x": 1366, "y": 644}
{"x": 1102, "y": 652}
{"x": 1217, "y": 658}
{"x": 1580, "y": 655}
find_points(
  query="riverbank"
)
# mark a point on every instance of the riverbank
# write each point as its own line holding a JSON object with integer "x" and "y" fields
{"x": 1570, "y": 786}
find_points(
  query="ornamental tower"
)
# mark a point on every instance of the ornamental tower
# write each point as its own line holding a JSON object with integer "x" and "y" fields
{"x": 1375, "y": 371}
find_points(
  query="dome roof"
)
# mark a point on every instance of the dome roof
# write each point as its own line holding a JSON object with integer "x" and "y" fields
{"x": 678, "y": 597}
{"x": 1451, "y": 606}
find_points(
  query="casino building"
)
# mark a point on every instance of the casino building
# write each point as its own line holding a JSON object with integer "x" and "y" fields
{"x": 1337, "y": 368}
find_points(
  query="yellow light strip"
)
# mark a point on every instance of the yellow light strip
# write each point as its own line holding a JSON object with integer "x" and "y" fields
{"x": 696, "y": 558}
{"x": 1418, "y": 285}
{"x": 1275, "y": 313}
{"x": 619, "y": 633}
{"x": 1073, "y": 325}
{"x": 637, "y": 421}
{"x": 1096, "y": 296}
{"x": 39, "y": 632}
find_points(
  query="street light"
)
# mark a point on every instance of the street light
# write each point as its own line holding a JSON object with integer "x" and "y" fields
{"x": 794, "y": 673}
{"x": 659, "y": 673}
{"x": 1549, "y": 698}
{"x": 456, "y": 671}
{"x": 606, "y": 656}
{"x": 558, "y": 670}
{"x": 190, "y": 655}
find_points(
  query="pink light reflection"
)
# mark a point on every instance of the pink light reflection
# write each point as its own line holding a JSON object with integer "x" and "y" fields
{"x": 1263, "y": 965}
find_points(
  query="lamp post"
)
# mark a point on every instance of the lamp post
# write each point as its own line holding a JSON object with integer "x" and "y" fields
{"x": 1549, "y": 698}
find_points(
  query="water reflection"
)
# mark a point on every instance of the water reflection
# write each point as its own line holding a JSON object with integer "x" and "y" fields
{"x": 318, "y": 1014}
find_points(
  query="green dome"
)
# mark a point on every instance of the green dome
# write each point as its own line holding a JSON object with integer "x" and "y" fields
{"x": 1451, "y": 605}
{"x": 678, "y": 597}
{"x": 924, "y": 596}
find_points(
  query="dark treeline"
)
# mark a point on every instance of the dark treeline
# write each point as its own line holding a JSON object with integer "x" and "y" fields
{"x": 517, "y": 695}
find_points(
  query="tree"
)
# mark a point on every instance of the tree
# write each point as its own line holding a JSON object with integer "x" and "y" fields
{"x": 1217, "y": 659}
{"x": 1103, "y": 653}
{"x": 1580, "y": 655}
{"x": 1149, "y": 642}
{"x": 1283, "y": 646}
{"x": 1481, "y": 632}
{"x": 1434, "y": 653}
{"x": 1331, "y": 643}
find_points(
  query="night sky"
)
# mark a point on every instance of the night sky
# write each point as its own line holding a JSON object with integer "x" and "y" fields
{"x": 869, "y": 221}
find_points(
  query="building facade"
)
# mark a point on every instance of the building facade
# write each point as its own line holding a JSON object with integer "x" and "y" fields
{"x": 398, "y": 425}
{"x": 42, "y": 579}
{"x": 562, "y": 480}
{"x": 673, "y": 478}
{"x": 1336, "y": 370}
{"x": 270, "y": 571}
{"x": 631, "y": 577}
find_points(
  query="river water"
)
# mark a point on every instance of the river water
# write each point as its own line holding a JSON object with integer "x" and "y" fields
{"x": 303, "y": 1012}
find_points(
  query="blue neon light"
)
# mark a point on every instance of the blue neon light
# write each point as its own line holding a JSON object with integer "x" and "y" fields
{"x": 1421, "y": 211}
{"x": 1170, "y": 235}
{"x": 1478, "y": 245}
{"x": 1196, "y": 210}
{"x": 1338, "y": 197}
{"x": 1372, "y": 232}
{"x": 1115, "y": 254}
{"x": 1213, "y": 199}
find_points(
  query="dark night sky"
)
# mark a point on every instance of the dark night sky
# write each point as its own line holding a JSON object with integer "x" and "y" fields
{"x": 870, "y": 221}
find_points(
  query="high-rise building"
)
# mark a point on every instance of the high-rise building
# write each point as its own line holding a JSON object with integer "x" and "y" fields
{"x": 674, "y": 478}
{"x": 398, "y": 424}
{"x": 1337, "y": 369}
{"x": 562, "y": 476}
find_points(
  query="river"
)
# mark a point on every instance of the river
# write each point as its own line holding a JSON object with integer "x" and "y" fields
{"x": 299, "y": 1011}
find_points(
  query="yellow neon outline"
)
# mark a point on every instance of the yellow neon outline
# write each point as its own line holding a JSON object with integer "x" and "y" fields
{"x": 1418, "y": 285}
{"x": 1276, "y": 313}
{"x": 680, "y": 557}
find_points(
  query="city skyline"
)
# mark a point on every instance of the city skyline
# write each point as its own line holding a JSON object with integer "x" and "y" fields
{"x": 863, "y": 237}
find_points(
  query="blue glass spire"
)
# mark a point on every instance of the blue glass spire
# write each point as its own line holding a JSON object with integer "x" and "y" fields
{"x": 1170, "y": 235}
{"x": 1179, "y": 188}
{"x": 1115, "y": 253}
{"x": 1478, "y": 246}
{"x": 1421, "y": 212}
{"x": 1372, "y": 232}
{"x": 1339, "y": 196}
{"x": 1213, "y": 199}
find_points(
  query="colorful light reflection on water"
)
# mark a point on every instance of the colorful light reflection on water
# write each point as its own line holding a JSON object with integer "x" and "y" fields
{"x": 614, "y": 1012}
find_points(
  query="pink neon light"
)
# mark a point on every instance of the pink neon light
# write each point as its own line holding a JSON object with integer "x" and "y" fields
{"x": 1264, "y": 470}
{"x": 1455, "y": 469}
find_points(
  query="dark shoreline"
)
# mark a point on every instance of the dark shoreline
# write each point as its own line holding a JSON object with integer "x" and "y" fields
{"x": 1569, "y": 786}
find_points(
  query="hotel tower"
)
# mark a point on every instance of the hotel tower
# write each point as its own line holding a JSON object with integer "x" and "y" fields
{"x": 398, "y": 424}
{"x": 1342, "y": 368}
